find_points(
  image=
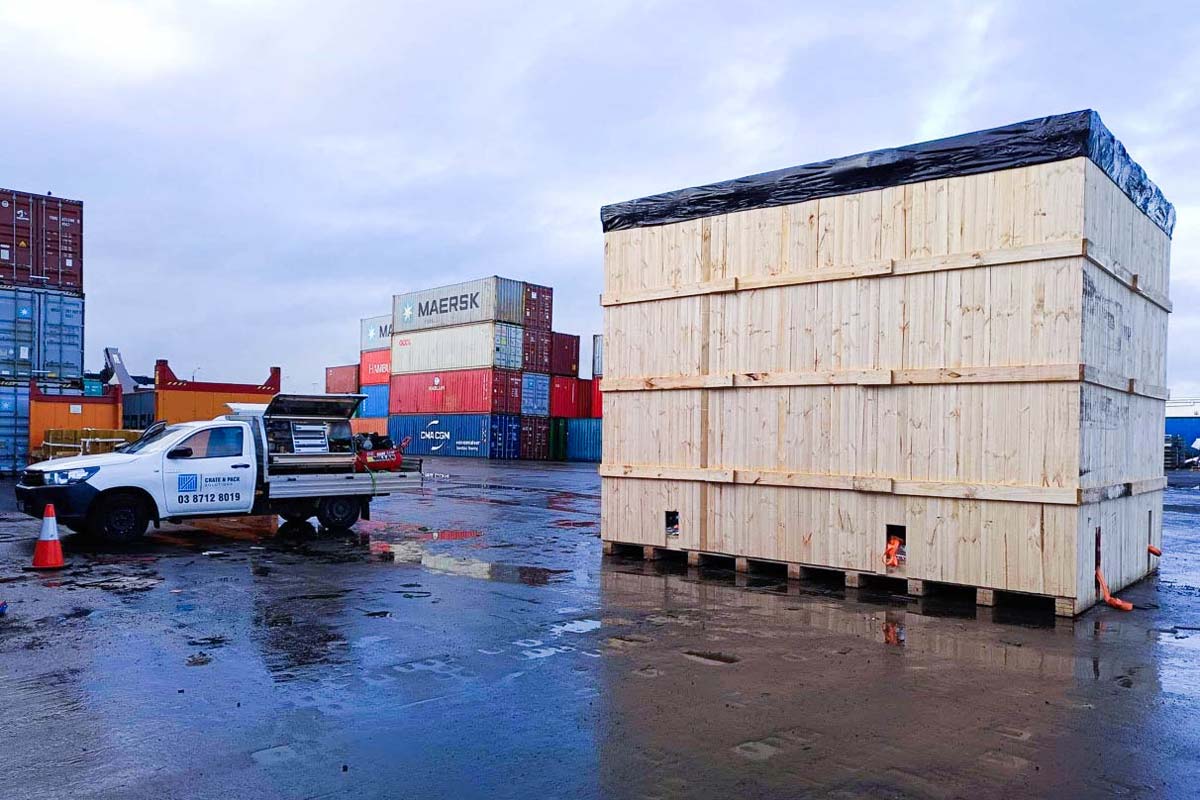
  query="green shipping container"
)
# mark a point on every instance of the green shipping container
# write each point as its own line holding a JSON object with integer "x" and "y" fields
{"x": 558, "y": 439}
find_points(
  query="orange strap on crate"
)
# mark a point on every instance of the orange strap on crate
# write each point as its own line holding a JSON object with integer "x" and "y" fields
{"x": 891, "y": 553}
{"x": 1154, "y": 551}
{"x": 1120, "y": 605}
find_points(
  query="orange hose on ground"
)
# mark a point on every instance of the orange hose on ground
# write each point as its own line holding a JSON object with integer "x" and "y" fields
{"x": 1154, "y": 551}
{"x": 1120, "y": 605}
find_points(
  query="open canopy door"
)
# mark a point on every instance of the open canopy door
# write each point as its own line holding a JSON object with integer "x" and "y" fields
{"x": 315, "y": 406}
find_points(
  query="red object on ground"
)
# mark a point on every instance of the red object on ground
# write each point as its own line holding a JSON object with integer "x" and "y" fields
{"x": 374, "y": 367}
{"x": 388, "y": 460}
{"x": 48, "y": 554}
{"x": 535, "y": 351}
{"x": 564, "y": 354}
{"x": 41, "y": 241}
{"x": 458, "y": 391}
{"x": 341, "y": 380}
{"x": 564, "y": 396}
{"x": 535, "y": 438}
{"x": 596, "y": 410}
{"x": 539, "y": 309}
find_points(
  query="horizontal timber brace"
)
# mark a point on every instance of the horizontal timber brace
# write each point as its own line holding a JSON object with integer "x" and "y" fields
{"x": 1074, "y": 248}
{"x": 869, "y": 483}
{"x": 1040, "y": 373}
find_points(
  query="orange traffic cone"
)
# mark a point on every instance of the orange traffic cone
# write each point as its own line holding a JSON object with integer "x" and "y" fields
{"x": 48, "y": 552}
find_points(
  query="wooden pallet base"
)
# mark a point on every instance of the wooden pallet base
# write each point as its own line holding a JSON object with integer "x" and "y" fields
{"x": 894, "y": 581}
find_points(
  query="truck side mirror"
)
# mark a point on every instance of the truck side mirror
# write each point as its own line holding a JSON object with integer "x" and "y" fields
{"x": 180, "y": 452}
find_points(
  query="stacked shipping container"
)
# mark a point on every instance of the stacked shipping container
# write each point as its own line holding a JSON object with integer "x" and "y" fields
{"x": 41, "y": 309}
{"x": 473, "y": 369}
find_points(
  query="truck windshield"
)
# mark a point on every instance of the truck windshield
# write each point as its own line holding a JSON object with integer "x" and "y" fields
{"x": 151, "y": 440}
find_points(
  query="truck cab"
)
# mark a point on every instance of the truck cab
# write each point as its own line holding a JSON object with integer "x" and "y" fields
{"x": 293, "y": 457}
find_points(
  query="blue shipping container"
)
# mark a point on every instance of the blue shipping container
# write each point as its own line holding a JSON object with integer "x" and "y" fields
{"x": 376, "y": 404}
{"x": 535, "y": 395}
{"x": 14, "y": 427}
{"x": 60, "y": 336}
{"x": 41, "y": 333}
{"x": 466, "y": 435}
{"x": 584, "y": 439}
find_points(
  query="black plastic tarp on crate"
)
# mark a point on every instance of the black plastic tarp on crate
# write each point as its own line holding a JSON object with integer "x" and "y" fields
{"x": 1035, "y": 141}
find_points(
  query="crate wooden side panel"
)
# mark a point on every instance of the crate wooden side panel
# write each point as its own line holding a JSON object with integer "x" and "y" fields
{"x": 1125, "y": 235}
{"x": 1019, "y": 314}
{"x": 1124, "y": 334}
{"x": 1120, "y": 437}
{"x": 1127, "y": 526}
{"x": 660, "y": 428}
{"x": 992, "y": 211}
{"x": 1020, "y": 434}
{"x": 633, "y": 511}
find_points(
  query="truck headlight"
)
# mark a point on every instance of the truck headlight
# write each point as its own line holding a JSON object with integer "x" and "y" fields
{"x": 66, "y": 477}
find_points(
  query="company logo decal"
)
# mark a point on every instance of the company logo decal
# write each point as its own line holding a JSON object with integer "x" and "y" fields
{"x": 189, "y": 483}
{"x": 444, "y": 305}
{"x": 408, "y": 312}
{"x": 434, "y": 434}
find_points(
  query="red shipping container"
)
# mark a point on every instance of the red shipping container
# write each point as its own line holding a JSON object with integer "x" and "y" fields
{"x": 539, "y": 308}
{"x": 585, "y": 398}
{"x": 535, "y": 356}
{"x": 564, "y": 355}
{"x": 375, "y": 367}
{"x": 459, "y": 391}
{"x": 535, "y": 438}
{"x": 597, "y": 407}
{"x": 564, "y": 396}
{"x": 341, "y": 380}
{"x": 41, "y": 241}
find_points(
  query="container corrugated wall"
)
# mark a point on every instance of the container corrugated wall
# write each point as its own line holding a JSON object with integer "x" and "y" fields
{"x": 137, "y": 410}
{"x": 462, "y": 435}
{"x": 564, "y": 396}
{"x": 583, "y": 440}
{"x": 342, "y": 379}
{"x": 41, "y": 334}
{"x": 585, "y": 397}
{"x": 539, "y": 307}
{"x": 376, "y": 404}
{"x": 558, "y": 439}
{"x": 41, "y": 241}
{"x": 536, "y": 351}
{"x": 60, "y": 336}
{"x": 463, "y": 391}
{"x": 597, "y": 355}
{"x": 375, "y": 333}
{"x": 486, "y": 299}
{"x": 596, "y": 409}
{"x": 374, "y": 366}
{"x": 535, "y": 394}
{"x": 489, "y": 344}
{"x": 14, "y": 427}
{"x": 535, "y": 438}
{"x": 564, "y": 354}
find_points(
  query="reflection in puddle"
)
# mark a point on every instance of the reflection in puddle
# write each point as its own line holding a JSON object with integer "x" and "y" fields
{"x": 411, "y": 552}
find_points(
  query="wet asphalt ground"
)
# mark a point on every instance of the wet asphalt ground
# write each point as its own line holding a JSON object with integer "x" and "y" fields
{"x": 470, "y": 641}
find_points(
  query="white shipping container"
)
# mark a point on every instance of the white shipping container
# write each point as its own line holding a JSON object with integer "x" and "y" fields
{"x": 483, "y": 300}
{"x": 376, "y": 333}
{"x": 486, "y": 344}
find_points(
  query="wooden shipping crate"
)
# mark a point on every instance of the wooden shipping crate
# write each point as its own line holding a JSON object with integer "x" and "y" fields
{"x": 974, "y": 360}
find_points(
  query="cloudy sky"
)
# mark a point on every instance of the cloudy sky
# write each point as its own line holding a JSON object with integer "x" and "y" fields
{"x": 259, "y": 175}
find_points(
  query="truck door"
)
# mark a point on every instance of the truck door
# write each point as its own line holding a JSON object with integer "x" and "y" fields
{"x": 211, "y": 471}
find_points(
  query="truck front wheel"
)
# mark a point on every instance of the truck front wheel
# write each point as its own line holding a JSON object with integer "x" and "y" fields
{"x": 118, "y": 517}
{"x": 338, "y": 513}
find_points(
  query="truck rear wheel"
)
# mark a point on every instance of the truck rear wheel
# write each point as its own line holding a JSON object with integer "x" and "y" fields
{"x": 338, "y": 513}
{"x": 118, "y": 517}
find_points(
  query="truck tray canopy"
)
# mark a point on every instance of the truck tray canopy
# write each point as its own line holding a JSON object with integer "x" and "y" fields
{"x": 327, "y": 406}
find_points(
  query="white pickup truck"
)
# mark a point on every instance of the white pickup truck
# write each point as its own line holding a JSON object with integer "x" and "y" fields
{"x": 294, "y": 457}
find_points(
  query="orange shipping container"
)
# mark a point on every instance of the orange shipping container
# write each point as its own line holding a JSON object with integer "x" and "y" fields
{"x": 50, "y": 411}
{"x": 369, "y": 425}
{"x": 177, "y": 400}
